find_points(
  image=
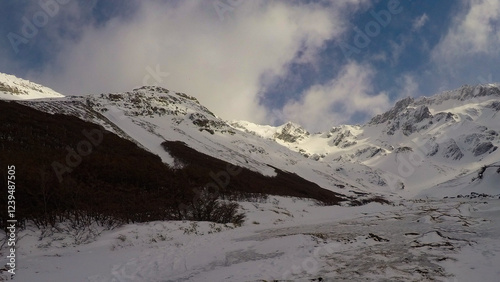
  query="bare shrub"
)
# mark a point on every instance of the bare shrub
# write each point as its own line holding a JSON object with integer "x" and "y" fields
{"x": 206, "y": 207}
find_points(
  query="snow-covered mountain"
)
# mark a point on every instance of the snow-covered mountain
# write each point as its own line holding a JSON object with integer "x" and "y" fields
{"x": 415, "y": 146}
{"x": 442, "y": 147}
{"x": 151, "y": 115}
{"x": 419, "y": 143}
{"x": 13, "y": 88}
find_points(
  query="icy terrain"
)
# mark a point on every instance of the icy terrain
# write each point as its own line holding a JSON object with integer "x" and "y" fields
{"x": 284, "y": 238}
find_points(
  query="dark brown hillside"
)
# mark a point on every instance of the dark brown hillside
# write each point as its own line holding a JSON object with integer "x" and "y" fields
{"x": 67, "y": 168}
{"x": 114, "y": 179}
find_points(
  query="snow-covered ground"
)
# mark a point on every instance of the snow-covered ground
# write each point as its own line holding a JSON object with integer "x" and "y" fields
{"x": 284, "y": 239}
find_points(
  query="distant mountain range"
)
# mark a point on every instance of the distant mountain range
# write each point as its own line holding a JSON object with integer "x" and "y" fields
{"x": 427, "y": 146}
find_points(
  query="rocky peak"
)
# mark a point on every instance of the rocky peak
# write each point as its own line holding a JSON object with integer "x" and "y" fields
{"x": 394, "y": 112}
{"x": 421, "y": 113}
{"x": 464, "y": 93}
{"x": 291, "y": 132}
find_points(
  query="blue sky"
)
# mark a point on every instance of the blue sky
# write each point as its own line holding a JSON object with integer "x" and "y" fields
{"x": 318, "y": 63}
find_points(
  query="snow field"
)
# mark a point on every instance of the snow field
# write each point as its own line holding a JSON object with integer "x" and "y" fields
{"x": 283, "y": 238}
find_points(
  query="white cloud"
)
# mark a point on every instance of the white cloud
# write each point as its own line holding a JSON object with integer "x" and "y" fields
{"x": 469, "y": 49}
{"x": 379, "y": 57}
{"x": 398, "y": 49}
{"x": 474, "y": 31}
{"x": 419, "y": 22}
{"x": 349, "y": 93}
{"x": 409, "y": 86}
{"x": 220, "y": 62}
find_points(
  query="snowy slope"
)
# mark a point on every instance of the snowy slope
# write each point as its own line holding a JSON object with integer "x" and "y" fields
{"x": 13, "y": 88}
{"x": 150, "y": 115}
{"x": 484, "y": 180}
{"x": 416, "y": 145}
{"x": 284, "y": 239}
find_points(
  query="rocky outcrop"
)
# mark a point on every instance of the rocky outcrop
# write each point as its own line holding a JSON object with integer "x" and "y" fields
{"x": 483, "y": 148}
{"x": 452, "y": 150}
{"x": 291, "y": 133}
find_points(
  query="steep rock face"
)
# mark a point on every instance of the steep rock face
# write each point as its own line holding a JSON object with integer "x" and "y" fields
{"x": 291, "y": 133}
{"x": 342, "y": 138}
{"x": 462, "y": 94}
{"x": 452, "y": 151}
{"x": 409, "y": 112}
{"x": 408, "y": 121}
{"x": 469, "y": 92}
{"x": 421, "y": 113}
{"x": 368, "y": 152}
{"x": 149, "y": 101}
{"x": 474, "y": 139}
{"x": 483, "y": 148}
{"x": 404, "y": 149}
{"x": 495, "y": 105}
{"x": 152, "y": 101}
{"x": 393, "y": 113}
{"x": 433, "y": 148}
{"x": 444, "y": 117}
{"x": 207, "y": 124}
{"x": 404, "y": 116}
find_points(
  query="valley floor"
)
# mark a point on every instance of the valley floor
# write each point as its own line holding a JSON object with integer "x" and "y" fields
{"x": 282, "y": 239}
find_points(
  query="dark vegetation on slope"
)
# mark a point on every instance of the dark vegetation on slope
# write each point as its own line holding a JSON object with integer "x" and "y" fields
{"x": 200, "y": 167}
{"x": 117, "y": 182}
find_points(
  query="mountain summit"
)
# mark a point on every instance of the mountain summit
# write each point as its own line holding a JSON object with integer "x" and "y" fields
{"x": 14, "y": 88}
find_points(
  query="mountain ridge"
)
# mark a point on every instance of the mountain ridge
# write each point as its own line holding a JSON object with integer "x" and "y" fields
{"x": 452, "y": 132}
{"x": 14, "y": 88}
